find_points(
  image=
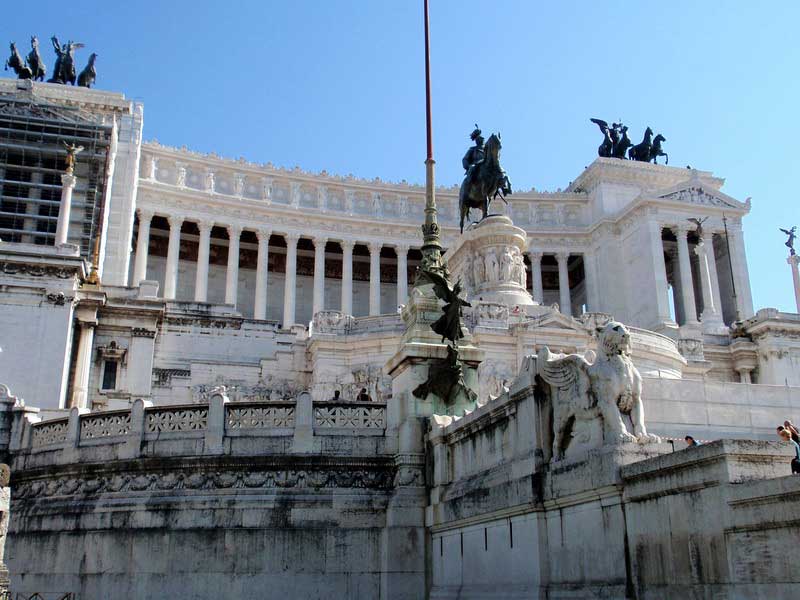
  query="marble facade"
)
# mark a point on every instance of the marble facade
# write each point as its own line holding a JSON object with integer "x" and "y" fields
{"x": 239, "y": 380}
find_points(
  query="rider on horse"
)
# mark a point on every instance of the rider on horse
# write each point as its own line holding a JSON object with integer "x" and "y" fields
{"x": 474, "y": 155}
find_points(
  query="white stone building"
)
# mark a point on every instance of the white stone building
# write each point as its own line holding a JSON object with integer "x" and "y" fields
{"x": 274, "y": 281}
{"x": 134, "y": 288}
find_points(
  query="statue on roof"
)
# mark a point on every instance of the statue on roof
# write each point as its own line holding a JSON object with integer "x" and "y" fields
{"x": 484, "y": 179}
{"x": 790, "y": 242}
{"x": 64, "y": 70}
{"x": 616, "y": 141}
{"x": 35, "y": 62}
{"x": 17, "y": 64}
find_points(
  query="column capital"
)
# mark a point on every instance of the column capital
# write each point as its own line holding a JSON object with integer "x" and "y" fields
{"x": 234, "y": 231}
{"x": 320, "y": 240}
{"x": 205, "y": 226}
{"x": 175, "y": 221}
{"x": 682, "y": 228}
{"x": 562, "y": 256}
{"x": 291, "y": 239}
{"x": 535, "y": 255}
{"x": 374, "y": 247}
{"x": 347, "y": 245}
{"x": 145, "y": 214}
{"x": 263, "y": 235}
{"x": 68, "y": 180}
{"x": 402, "y": 248}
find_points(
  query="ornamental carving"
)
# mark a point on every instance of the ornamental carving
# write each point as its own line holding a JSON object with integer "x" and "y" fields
{"x": 691, "y": 349}
{"x": 259, "y": 417}
{"x": 34, "y": 270}
{"x": 142, "y": 332}
{"x": 163, "y": 377}
{"x": 176, "y": 419}
{"x": 105, "y": 425}
{"x": 267, "y": 389}
{"x": 332, "y": 321}
{"x": 696, "y": 195}
{"x": 51, "y": 432}
{"x": 355, "y": 417}
{"x": 269, "y": 477}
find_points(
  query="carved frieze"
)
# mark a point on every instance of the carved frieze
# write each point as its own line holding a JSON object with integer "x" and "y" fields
{"x": 270, "y": 476}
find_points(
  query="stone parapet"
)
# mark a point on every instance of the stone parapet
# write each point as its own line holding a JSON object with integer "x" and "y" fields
{"x": 217, "y": 428}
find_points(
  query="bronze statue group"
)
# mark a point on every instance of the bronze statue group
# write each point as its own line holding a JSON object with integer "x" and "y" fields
{"x": 616, "y": 143}
{"x": 33, "y": 67}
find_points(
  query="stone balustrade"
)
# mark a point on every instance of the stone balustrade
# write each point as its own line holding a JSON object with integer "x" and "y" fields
{"x": 218, "y": 427}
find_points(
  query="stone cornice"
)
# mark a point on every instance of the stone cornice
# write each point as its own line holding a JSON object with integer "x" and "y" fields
{"x": 212, "y": 162}
{"x": 89, "y": 99}
{"x": 644, "y": 175}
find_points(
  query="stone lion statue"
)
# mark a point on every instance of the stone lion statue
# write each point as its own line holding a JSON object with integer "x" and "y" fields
{"x": 591, "y": 398}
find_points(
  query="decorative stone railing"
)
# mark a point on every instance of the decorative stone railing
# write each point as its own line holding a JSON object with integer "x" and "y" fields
{"x": 49, "y": 433}
{"x": 213, "y": 428}
{"x": 350, "y": 415}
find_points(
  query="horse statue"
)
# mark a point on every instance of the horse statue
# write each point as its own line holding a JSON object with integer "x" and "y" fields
{"x": 88, "y": 75}
{"x": 35, "y": 63}
{"x": 621, "y": 147}
{"x": 484, "y": 182}
{"x": 17, "y": 64}
{"x": 641, "y": 151}
{"x": 656, "y": 150}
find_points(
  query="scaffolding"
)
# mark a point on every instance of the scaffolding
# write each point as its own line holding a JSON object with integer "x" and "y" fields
{"x": 32, "y": 153}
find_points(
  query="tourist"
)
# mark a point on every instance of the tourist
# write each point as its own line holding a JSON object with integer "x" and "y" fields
{"x": 787, "y": 437}
{"x": 788, "y": 425}
{"x": 691, "y": 442}
{"x": 363, "y": 396}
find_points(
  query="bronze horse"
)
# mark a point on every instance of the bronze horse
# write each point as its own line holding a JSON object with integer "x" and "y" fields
{"x": 641, "y": 151}
{"x": 17, "y": 64}
{"x": 656, "y": 150}
{"x": 37, "y": 67}
{"x": 484, "y": 183}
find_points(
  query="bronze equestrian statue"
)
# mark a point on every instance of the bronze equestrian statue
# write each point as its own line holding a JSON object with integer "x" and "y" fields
{"x": 485, "y": 179}
{"x": 656, "y": 150}
{"x": 88, "y": 75}
{"x": 64, "y": 71}
{"x": 35, "y": 62}
{"x": 17, "y": 64}
{"x": 616, "y": 143}
{"x": 641, "y": 152}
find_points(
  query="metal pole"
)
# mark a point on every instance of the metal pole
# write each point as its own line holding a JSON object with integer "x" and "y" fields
{"x": 431, "y": 245}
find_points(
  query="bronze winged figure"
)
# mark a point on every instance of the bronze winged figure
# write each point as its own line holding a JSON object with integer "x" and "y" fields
{"x": 449, "y": 324}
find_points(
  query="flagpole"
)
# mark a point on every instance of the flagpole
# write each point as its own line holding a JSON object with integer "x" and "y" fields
{"x": 431, "y": 246}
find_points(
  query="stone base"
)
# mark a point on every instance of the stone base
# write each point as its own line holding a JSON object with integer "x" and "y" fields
{"x": 488, "y": 259}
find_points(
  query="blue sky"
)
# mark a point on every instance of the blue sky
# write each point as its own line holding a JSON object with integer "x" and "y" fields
{"x": 338, "y": 85}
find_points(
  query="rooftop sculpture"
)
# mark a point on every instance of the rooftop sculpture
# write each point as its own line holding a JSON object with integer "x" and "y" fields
{"x": 790, "y": 242}
{"x": 616, "y": 143}
{"x": 32, "y": 66}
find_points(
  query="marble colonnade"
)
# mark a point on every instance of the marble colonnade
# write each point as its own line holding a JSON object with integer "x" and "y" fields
{"x": 262, "y": 275}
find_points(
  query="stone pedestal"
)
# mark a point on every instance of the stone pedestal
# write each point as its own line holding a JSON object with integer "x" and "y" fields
{"x": 794, "y": 262}
{"x": 404, "y": 546}
{"x": 488, "y": 259}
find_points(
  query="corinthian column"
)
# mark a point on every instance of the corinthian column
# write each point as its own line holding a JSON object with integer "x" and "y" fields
{"x": 142, "y": 246}
{"x": 173, "y": 255}
{"x": 536, "y": 275}
{"x": 687, "y": 286}
{"x": 289, "y": 291}
{"x": 201, "y": 275}
{"x": 347, "y": 277}
{"x": 262, "y": 274}
{"x": 319, "y": 274}
{"x": 565, "y": 302}
{"x": 232, "y": 279}
{"x": 712, "y": 315}
{"x": 62, "y": 229}
{"x": 592, "y": 284}
{"x": 402, "y": 274}
{"x": 374, "y": 278}
{"x": 83, "y": 363}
